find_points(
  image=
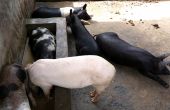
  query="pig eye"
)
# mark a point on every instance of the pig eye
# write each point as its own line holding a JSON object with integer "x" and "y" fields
{"x": 4, "y": 91}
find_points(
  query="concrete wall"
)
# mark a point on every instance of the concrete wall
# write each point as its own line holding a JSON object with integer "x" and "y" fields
{"x": 12, "y": 29}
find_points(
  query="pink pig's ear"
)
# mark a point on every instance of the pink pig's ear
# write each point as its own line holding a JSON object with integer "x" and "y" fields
{"x": 84, "y": 7}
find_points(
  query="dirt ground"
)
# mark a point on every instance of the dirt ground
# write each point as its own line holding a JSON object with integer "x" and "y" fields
{"x": 143, "y": 24}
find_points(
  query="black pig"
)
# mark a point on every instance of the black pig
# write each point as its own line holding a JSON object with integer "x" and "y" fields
{"x": 85, "y": 43}
{"x": 46, "y": 12}
{"x": 123, "y": 53}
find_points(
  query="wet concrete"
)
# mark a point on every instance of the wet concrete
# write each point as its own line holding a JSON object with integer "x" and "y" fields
{"x": 129, "y": 90}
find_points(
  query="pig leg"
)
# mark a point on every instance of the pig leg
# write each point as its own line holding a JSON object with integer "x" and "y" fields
{"x": 164, "y": 56}
{"x": 84, "y": 22}
{"x": 156, "y": 78}
{"x": 97, "y": 92}
{"x": 46, "y": 89}
{"x": 32, "y": 100}
{"x": 167, "y": 63}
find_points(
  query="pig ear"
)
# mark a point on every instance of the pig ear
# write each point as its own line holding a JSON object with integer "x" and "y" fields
{"x": 71, "y": 16}
{"x": 163, "y": 56}
{"x": 71, "y": 12}
{"x": 4, "y": 92}
{"x": 84, "y": 7}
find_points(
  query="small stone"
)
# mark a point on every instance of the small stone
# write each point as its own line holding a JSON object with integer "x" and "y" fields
{"x": 131, "y": 22}
{"x": 117, "y": 12}
{"x": 156, "y": 26}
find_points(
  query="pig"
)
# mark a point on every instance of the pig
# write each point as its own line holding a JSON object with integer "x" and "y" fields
{"x": 47, "y": 12}
{"x": 12, "y": 89}
{"x": 72, "y": 72}
{"x": 121, "y": 52}
{"x": 85, "y": 43}
{"x": 42, "y": 43}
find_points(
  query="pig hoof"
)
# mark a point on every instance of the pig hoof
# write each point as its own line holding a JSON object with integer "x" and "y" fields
{"x": 92, "y": 93}
{"x": 93, "y": 100}
{"x": 85, "y": 22}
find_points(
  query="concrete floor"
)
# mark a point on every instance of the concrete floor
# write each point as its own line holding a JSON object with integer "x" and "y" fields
{"x": 129, "y": 89}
